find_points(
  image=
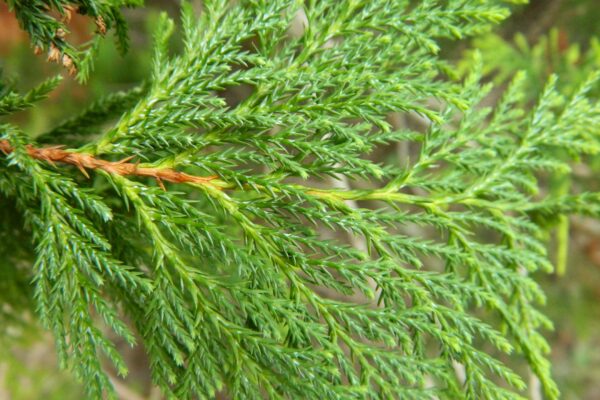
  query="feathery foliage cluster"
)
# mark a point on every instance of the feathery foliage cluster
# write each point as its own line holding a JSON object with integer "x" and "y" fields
{"x": 295, "y": 266}
{"x": 47, "y": 24}
{"x": 551, "y": 54}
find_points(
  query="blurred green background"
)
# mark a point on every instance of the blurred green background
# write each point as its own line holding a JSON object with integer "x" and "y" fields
{"x": 543, "y": 38}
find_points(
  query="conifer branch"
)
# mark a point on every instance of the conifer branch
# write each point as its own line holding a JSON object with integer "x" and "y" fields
{"x": 84, "y": 161}
{"x": 246, "y": 279}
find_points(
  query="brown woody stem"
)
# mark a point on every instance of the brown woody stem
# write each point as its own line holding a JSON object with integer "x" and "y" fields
{"x": 57, "y": 154}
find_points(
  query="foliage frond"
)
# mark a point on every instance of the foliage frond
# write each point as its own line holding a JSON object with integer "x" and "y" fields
{"x": 258, "y": 248}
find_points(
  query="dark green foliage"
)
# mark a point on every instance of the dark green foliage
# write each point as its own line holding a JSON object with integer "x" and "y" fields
{"x": 11, "y": 101}
{"x": 47, "y": 24}
{"x": 297, "y": 271}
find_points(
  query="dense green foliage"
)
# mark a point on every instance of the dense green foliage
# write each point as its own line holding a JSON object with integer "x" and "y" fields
{"x": 294, "y": 270}
{"x": 47, "y": 24}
